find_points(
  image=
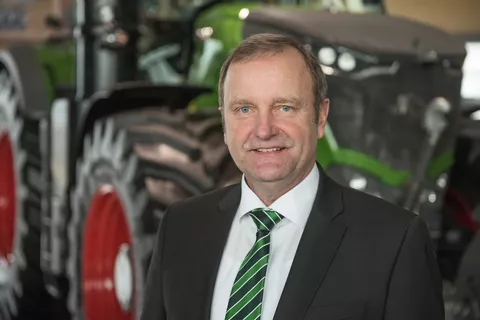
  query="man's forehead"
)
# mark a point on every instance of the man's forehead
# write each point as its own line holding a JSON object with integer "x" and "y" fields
{"x": 290, "y": 55}
{"x": 266, "y": 75}
{"x": 270, "y": 79}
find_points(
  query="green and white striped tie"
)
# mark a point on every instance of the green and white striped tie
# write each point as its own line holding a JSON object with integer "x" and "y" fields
{"x": 247, "y": 293}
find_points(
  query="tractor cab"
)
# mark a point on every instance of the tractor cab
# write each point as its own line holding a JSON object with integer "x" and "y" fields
{"x": 394, "y": 86}
{"x": 167, "y": 56}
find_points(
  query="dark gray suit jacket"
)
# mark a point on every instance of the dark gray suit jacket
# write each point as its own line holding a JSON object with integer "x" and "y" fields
{"x": 359, "y": 258}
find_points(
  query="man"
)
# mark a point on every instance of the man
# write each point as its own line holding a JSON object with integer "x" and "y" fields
{"x": 288, "y": 242}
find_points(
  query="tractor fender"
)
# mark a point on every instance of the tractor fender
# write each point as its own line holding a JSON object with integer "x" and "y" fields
{"x": 131, "y": 96}
{"x": 29, "y": 76}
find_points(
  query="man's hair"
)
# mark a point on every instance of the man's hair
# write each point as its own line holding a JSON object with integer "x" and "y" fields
{"x": 265, "y": 44}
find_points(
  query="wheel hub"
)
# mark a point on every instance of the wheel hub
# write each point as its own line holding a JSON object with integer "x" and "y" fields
{"x": 123, "y": 277}
{"x": 107, "y": 270}
{"x": 7, "y": 201}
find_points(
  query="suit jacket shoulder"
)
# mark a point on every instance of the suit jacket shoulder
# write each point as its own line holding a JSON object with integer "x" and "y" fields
{"x": 367, "y": 211}
{"x": 203, "y": 204}
{"x": 194, "y": 234}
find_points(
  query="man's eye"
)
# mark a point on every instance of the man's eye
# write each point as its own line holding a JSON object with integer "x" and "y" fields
{"x": 286, "y": 108}
{"x": 244, "y": 109}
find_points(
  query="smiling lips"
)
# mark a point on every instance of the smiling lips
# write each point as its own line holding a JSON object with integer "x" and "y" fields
{"x": 266, "y": 150}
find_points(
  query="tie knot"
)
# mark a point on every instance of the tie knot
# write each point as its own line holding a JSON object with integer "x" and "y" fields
{"x": 265, "y": 219}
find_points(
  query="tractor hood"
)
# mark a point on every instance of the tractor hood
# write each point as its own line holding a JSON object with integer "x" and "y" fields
{"x": 368, "y": 33}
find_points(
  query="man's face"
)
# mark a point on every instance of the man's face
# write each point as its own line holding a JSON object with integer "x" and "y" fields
{"x": 269, "y": 115}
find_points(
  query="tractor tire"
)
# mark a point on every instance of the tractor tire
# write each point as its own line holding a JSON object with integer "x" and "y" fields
{"x": 22, "y": 291}
{"x": 206, "y": 125}
{"x": 134, "y": 165}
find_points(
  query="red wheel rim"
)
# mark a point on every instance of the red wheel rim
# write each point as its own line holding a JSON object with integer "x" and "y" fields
{"x": 106, "y": 231}
{"x": 7, "y": 198}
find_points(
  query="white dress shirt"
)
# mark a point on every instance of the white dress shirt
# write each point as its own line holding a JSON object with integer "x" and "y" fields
{"x": 295, "y": 206}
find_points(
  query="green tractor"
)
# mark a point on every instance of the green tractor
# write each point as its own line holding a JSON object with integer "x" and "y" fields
{"x": 90, "y": 171}
{"x": 394, "y": 86}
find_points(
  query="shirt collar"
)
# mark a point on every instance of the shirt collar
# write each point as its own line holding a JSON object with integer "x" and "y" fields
{"x": 295, "y": 205}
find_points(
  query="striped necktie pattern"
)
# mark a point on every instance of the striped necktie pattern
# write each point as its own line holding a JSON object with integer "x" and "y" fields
{"x": 246, "y": 297}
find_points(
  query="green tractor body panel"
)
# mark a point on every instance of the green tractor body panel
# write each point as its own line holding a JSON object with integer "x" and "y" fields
{"x": 329, "y": 153}
{"x": 226, "y": 27}
{"x": 209, "y": 55}
{"x": 58, "y": 62}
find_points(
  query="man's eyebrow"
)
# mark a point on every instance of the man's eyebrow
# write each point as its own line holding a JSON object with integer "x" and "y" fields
{"x": 288, "y": 100}
{"x": 240, "y": 102}
{"x": 278, "y": 100}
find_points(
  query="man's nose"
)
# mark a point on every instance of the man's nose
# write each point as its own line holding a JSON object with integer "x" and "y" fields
{"x": 265, "y": 125}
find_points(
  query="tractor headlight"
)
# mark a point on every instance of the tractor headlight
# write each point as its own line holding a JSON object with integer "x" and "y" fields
{"x": 327, "y": 56}
{"x": 346, "y": 62}
{"x": 341, "y": 60}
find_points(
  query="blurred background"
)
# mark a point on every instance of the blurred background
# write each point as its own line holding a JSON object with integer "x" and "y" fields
{"x": 108, "y": 115}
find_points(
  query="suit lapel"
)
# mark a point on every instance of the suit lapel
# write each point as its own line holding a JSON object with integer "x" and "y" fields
{"x": 318, "y": 245}
{"x": 216, "y": 238}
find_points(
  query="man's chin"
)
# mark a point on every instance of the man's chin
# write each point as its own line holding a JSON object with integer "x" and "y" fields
{"x": 269, "y": 175}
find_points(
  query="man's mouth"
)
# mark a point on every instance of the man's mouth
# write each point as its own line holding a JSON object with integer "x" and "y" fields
{"x": 268, "y": 149}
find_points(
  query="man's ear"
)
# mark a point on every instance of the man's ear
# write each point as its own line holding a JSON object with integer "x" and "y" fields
{"x": 322, "y": 117}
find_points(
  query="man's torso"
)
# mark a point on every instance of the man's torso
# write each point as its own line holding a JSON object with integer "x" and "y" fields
{"x": 367, "y": 235}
